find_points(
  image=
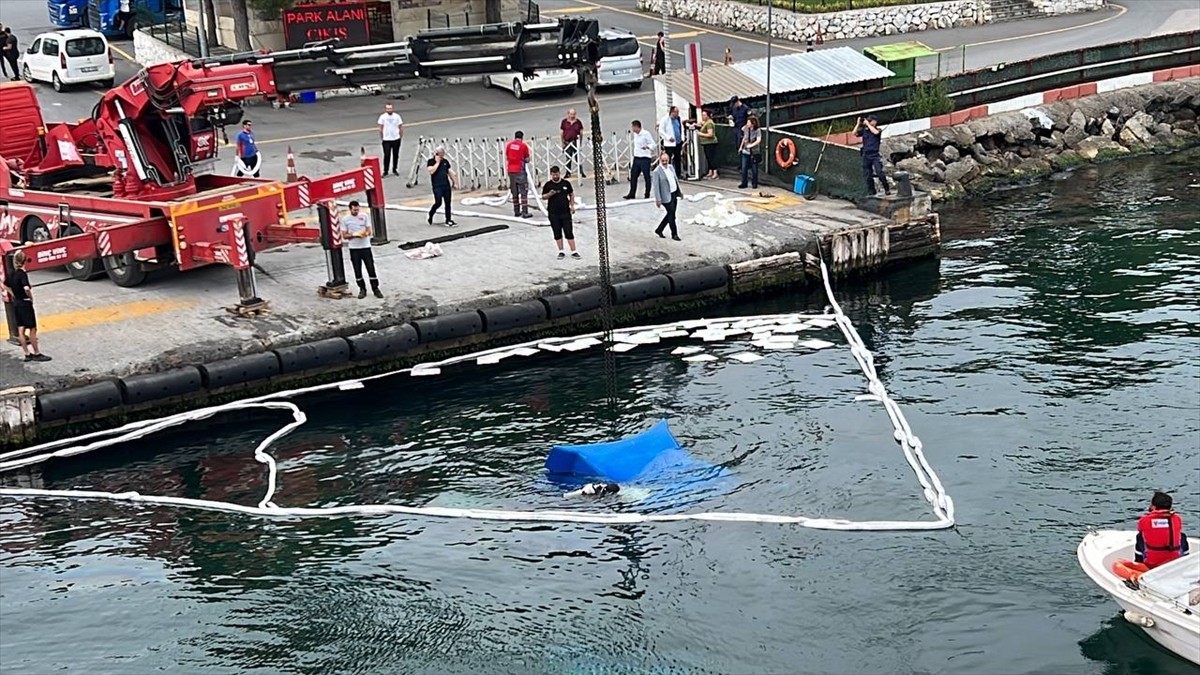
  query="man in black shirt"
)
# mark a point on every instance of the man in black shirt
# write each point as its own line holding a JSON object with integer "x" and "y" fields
{"x": 21, "y": 295}
{"x": 872, "y": 163}
{"x": 10, "y": 53}
{"x": 444, "y": 181}
{"x": 560, "y": 204}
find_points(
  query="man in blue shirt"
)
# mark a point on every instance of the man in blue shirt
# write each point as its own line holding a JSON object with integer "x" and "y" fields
{"x": 872, "y": 164}
{"x": 670, "y": 132}
{"x": 740, "y": 113}
{"x": 247, "y": 149}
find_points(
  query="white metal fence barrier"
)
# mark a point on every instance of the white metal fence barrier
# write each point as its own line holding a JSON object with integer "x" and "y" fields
{"x": 480, "y": 163}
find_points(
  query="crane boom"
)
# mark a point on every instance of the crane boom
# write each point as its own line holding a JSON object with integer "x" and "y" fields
{"x": 152, "y": 131}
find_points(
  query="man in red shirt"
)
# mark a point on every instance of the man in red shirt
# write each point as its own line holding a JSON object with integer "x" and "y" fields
{"x": 516, "y": 154}
{"x": 1160, "y": 537}
{"x": 572, "y": 139}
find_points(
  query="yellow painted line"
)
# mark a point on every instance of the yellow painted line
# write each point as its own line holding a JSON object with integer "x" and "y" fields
{"x": 124, "y": 54}
{"x": 675, "y": 36}
{"x": 570, "y": 10}
{"x": 1121, "y": 9}
{"x": 111, "y": 314}
{"x": 709, "y": 29}
{"x": 444, "y": 120}
{"x": 649, "y": 42}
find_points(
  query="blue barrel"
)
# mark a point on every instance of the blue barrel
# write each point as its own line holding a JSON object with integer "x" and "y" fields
{"x": 308, "y": 97}
{"x": 803, "y": 184}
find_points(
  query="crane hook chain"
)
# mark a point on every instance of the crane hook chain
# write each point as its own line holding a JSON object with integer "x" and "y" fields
{"x": 599, "y": 174}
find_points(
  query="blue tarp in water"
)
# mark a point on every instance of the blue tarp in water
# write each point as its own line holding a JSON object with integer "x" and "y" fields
{"x": 619, "y": 461}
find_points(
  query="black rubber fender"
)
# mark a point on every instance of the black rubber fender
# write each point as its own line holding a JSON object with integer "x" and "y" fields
{"x": 319, "y": 354}
{"x": 626, "y": 292}
{"x": 448, "y": 326}
{"x": 239, "y": 370}
{"x": 575, "y": 302}
{"x": 377, "y": 344}
{"x": 85, "y": 400}
{"x": 137, "y": 389}
{"x": 509, "y": 317}
{"x": 699, "y": 279}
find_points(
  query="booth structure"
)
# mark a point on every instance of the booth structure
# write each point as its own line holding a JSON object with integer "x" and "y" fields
{"x": 901, "y": 59}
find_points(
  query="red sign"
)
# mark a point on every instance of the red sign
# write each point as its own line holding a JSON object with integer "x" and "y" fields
{"x": 310, "y": 23}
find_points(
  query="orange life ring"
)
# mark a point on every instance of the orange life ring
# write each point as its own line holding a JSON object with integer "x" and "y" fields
{"x": 785, "y": 146}
{"x": 1129, "y": 570}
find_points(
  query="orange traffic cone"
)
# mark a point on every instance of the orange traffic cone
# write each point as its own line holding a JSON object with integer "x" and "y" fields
{"x": 291, "y": 166}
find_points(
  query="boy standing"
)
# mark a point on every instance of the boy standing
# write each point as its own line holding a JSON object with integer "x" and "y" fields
{"x": 22, "y": 299}
{"x": 560, "y": 204}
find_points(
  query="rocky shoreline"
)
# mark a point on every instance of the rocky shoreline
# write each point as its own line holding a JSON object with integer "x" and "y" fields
{"x": 979, "y": 154}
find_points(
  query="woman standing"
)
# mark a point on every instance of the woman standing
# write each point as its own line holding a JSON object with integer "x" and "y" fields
{"x": 751, "y": 152}
{"x": 707, "y": 133}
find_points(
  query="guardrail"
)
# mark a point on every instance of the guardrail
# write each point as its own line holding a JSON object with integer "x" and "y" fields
{"x": 175, "y": 33}
{"x": 1006, "y": 81}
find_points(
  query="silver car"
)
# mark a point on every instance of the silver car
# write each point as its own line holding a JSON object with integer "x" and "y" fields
{"x": 623, "y": 65}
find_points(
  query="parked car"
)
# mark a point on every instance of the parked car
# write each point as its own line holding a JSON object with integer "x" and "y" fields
{"x": 550, "y": 79}
{"x": 624, "y": 63}
{"x": 68, "y": 57}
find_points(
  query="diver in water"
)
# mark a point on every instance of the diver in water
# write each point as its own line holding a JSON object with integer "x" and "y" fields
{"x": 595, "y": 490}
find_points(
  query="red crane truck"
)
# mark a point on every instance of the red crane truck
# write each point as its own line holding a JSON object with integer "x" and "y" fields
{"x": 122, "y": 192}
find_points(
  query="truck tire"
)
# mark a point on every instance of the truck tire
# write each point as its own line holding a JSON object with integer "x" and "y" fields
{"x": 84, "y": 270}
{"x": 35, "y": 229}
{"x": 124, "y": 269}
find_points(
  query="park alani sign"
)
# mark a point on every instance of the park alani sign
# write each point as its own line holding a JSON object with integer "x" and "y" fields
{"x": 309, "y": 23}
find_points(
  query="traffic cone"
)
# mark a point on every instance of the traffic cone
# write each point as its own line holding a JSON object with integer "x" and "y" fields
{"x": 291, "y": 166}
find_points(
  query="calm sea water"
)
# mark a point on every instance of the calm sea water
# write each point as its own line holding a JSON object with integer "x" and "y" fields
{"x": 1050, "y": 361}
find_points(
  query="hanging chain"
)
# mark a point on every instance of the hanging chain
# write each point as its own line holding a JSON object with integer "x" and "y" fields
{"x": 599, "y": 172}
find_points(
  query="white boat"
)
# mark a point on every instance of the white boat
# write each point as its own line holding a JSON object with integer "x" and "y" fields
{"x": 1164, "y": 602}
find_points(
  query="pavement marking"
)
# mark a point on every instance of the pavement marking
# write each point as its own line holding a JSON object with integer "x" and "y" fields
{"x": 709, "y": 29}
{"x": 443, "y": 120}
{"x": 83, "y": 318}
{"x": 676, "y": 36}
{"x": 569, "y": 10}
{"x": 649, "y": 42}
{"x": 124, "y": 54}
{"x": 1121, "y": 9}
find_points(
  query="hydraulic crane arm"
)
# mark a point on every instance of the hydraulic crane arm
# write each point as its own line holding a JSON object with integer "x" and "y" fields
{"x": 153, "y": 129}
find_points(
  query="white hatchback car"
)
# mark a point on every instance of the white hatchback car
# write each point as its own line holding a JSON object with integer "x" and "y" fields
{"x": 551, "y": 79}
{"x": 68, "y": 57}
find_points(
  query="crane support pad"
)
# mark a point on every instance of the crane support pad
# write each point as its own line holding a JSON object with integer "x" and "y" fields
{"x": 92, "y": 398}
{"x": 319, "y": 354}
{"x": 166, "y": 384}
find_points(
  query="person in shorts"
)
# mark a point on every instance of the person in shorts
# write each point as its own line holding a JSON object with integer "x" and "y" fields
{"x": 560, "y": 204}
{"x": 21, "y": 295}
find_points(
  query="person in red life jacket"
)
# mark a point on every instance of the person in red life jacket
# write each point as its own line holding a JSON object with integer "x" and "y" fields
{"x": 516, "y": 154}
{"x": 1160, "y": 537}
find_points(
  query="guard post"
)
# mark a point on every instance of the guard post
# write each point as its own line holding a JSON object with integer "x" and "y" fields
{"x": 373, "y": 177}
{"x": 331, "y": 242}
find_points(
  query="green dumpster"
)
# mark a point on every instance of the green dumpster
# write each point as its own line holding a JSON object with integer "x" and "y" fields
{"x": 900, "y": 58}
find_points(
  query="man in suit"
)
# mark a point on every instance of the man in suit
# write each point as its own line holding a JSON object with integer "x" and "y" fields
{"x": 666, "y": 194}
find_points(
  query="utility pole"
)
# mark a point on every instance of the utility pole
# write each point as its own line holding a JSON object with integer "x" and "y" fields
{"x": 767, "y": 130}
{"x": 665, "y": 6}
{"x": 202, "y": 36}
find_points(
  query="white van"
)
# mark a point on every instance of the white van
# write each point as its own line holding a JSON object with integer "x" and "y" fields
{"x": 623, "y": 65}
{"x": 68, "y": 57}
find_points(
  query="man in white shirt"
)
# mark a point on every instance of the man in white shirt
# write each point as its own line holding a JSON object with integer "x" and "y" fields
{"x": 670, "y": 130}
{"x": 391, "y": 132}
{"x": 643, "y": 151}
{"x": 666, "y": 194}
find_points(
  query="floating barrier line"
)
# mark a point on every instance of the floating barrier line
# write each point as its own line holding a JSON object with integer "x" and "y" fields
{"x": 932, "y": 489}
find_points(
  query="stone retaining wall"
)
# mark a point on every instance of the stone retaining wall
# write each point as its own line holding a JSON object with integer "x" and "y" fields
{"x": 858, "y": 23}
{"x": 1013, "y": 145}
{"x": 150, "y": 51}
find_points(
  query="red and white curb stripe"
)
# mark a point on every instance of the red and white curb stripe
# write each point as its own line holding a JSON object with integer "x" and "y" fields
{"x": 303, "y": 191}
{"x": 104, "y": 243}
{"x": 1025, "y": 102}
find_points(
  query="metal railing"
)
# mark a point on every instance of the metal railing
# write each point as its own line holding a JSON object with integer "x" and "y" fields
{"x": 176, "y": 33}
{"x": 1005, "y": 81}
{"x": 436, "y": 19}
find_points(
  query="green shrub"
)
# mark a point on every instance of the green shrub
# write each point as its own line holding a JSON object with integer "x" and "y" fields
{"x": 928, "y": 99}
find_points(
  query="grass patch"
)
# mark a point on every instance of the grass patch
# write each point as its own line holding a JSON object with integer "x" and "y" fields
{"x": 928, "y": 99}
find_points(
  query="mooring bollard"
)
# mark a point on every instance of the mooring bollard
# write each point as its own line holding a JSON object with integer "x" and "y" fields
{"x": 904, "y": 188}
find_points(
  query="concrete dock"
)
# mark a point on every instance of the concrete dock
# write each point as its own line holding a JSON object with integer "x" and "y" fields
{"x": 105, "y": 339}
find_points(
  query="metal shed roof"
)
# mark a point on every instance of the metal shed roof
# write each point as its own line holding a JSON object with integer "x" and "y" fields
{"x": 900, "y": 51}
{"x": 791, "y": 72}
